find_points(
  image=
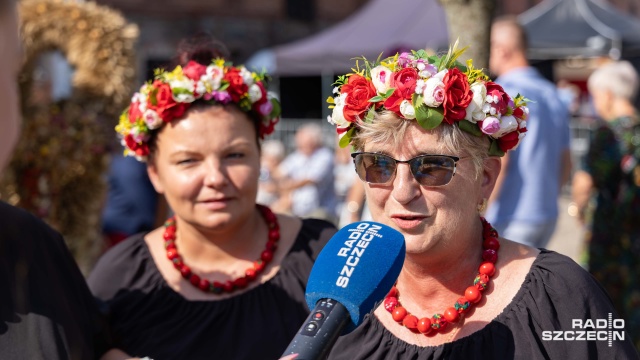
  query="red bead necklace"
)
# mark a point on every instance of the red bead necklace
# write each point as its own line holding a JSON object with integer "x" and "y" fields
{"x": 472, "y": 294}
{"x": 229, "y": 285}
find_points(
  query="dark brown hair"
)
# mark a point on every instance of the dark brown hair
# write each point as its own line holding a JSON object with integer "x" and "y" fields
{"x": 202, "y": 48}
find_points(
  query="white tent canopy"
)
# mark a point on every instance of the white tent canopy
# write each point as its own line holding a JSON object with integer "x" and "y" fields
{"x": 563, "y": 28}
{"x": 379, "y": 26}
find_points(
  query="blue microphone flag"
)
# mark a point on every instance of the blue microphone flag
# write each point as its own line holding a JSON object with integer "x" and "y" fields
{"x": 357, "y": 267}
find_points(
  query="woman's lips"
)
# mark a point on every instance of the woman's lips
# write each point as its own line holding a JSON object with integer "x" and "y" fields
{"x": 408, "y": 221}
{"x": 215, "y": 204}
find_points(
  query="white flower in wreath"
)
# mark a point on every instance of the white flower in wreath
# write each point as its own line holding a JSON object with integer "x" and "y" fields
{"x": 247, "y": 76}
{"x": 182, "y": 89}
{"x": 507, "y": 125}
{"x": 337, "y": 116}
{"x": 433, "y": 94}
{"x": 213, "y": 77}
{"x": 152, "y": 119}
{"x": 420, "y": 84}
{"x": 255, "y": 93}
{"x": 381, "y": 78}
{"x": 141, "y": 100}
{"x": 441, "y": 74}
{"x": 475, "y": 110}
{"x": 201, "y": 88}
{"x": 407, "y": 110}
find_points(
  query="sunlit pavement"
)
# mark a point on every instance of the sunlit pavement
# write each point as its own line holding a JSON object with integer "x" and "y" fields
{"x": 569, "y": 234}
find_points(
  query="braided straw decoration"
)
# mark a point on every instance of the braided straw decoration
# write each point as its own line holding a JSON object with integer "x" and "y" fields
{"x": 59, "y": 165}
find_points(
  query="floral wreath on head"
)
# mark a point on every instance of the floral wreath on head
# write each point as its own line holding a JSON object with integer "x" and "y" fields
{"x": 171, "y": 94}
{"x": 429, "y": 89}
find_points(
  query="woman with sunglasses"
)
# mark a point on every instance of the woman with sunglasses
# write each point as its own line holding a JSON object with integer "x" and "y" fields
{"x": 224, "y": 278}
{"x": 428, "y": 133}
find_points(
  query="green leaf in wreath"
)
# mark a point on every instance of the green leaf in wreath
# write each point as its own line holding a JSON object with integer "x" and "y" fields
{"x": 389, "y": 92}
{"x": 470, "y": 127}
{"x": 376, "y": 99}
{"x": 416, "y": 100}
{"x": 275, "y": 110}
{"x": 494, "y": 149}
{"x": 428, "y": 117}
{"x": 370, "y": 114}
{"x": 346, "y": 138}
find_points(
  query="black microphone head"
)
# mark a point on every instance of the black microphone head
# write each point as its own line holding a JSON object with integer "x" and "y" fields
{"x": 357, "y": 267}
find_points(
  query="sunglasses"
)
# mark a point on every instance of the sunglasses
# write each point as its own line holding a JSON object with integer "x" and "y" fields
{"x": 428, "y": 170}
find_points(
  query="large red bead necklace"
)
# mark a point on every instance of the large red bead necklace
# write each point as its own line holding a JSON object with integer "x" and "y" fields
{"x": 472, "y": 294}
{"x": 229, "y": 285}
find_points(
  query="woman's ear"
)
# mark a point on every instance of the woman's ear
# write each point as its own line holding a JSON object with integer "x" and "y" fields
{"x": 490, "y": 172}
{"x": 154, "y": 177}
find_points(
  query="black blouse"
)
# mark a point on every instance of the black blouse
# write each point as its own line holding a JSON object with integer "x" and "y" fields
{"x": 46, "y": 308}
{"x": 148, "y": 318}
{"x": 555, "y": 292}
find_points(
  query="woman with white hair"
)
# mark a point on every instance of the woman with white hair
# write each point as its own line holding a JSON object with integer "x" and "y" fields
{"x": 428, "y": 133}
{"x": 607, "y": 190}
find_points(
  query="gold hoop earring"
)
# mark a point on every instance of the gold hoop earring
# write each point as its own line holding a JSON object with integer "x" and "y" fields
{"x": 482, "y": 206}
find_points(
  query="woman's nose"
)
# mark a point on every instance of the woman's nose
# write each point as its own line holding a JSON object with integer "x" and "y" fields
{"x": 405, "y": 186}
{"x": 215, "y": 176}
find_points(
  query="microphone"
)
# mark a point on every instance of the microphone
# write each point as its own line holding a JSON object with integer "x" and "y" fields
{"x": 353, "y": 272}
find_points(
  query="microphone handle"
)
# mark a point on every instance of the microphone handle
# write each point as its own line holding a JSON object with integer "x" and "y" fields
{"x": 319, "y": 331}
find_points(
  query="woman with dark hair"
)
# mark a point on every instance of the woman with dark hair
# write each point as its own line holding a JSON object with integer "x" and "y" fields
{"x": 224, "y": 277}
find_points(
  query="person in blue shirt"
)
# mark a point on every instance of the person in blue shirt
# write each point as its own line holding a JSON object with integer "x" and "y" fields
{"x": 524, "y": 205}
{"x": 132, "y": 204}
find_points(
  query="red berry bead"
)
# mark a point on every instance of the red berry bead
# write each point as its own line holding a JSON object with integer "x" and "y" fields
{"x": 240, "y": 283}
{"x": 271, "y": 245}
{"x": 250, "y": 274}
{"x": 399, "y": 313}
{"x": 451, "y": 315}
{"x": 472, "y": 294}
{"x": 185, "y": 271}
{"x": 204, "y": 285}
{"x": 487, "y": 268}
{"x": 227, "y": 286}
{"x": 269, "y": 215}
{"x": 259, "y": 265}
{"x": 462, "y": 305}
{"x": 438, "y": 322}
{"x": 172, "y": 254}
{"x": 424, "y": 325}
{"x": 490, "y": 255}
{"x": 411, "y": 322}
{"x": 274, "y": 235}
{"x": 393, "y": 292}
{"x": 480, "y": 282}
{"x": 390, "y": 303}
{"x": 491, "y": 243}
{"x": 267, "y": 256}
{"x": 218, "y": 284}
{"x": 169, "y": 233}
{"x": 194, "y": 279}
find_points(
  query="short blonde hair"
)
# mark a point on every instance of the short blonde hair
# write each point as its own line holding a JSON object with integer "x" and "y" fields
{"x": 619, "y": 77}
{"x": 389, "y": 128}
